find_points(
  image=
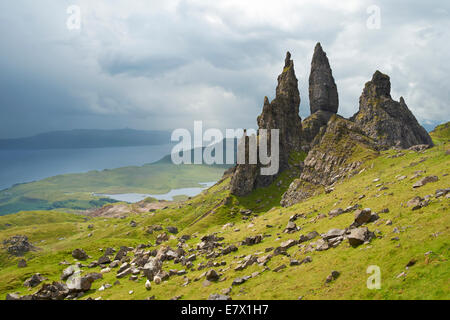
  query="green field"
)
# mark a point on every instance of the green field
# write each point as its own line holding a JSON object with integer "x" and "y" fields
{"x": 74, "y": 191}
{"x": 423, "y": 235}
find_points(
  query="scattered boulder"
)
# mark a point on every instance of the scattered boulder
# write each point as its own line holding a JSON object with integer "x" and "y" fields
{"x": 249, "y": 241}
{"x": 238, "y": 281}
{"x": 351, "y": 208}
{"x": 360, "y": 235}
{"x": 104, "y": 260}
{"x": 53, "y": 291}
{"x": 279, "y": 268}
{"x": 79, "y": 284}
{"x": 333, "y": 276}
{"x": 217, "y": 296}
{"x": 311, "y": 235}
{"x": 417, "y": 203}
{"x": 173, "y": 230}
{"x": 152, "y": 268}
{"x": 79, "y": 254}
{"x": 34, "y": 281}
{"x": 212, "y": 275}
{"x": 18, "y": 245}
{"x": 333, "y": 233}
{"x": 362, "y": 217}
{"x": 335, "y": 212}
{"x": 424, "y": 181}
{"x": 162, "y": 237}
{"x": 291, "y": 227}
{"x": 69, "y": 271}
{"x": 288, "y": 243}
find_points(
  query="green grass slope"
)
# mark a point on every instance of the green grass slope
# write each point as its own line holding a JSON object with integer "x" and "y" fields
{"x": 423, "y": 235}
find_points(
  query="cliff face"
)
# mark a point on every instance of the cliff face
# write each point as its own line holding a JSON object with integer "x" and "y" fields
{"x": 282, "y": 114}
{"x": 385, "y": 120}
{"x": 341, "y": 149}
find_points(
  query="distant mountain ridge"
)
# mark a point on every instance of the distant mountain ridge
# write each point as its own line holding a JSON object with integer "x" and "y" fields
{"x": 88, "y": 138}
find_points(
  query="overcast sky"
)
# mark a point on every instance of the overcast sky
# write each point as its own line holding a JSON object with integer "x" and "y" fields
{"x": 164, "y": 64}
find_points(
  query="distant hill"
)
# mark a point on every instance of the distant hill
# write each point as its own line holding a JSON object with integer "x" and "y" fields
{"x": 83, "y": 138}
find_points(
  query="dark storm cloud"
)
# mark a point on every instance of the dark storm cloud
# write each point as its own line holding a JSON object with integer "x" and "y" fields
{"x": 162, "y": 65}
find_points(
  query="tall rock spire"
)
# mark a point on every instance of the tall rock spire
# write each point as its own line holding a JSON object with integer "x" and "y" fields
{"x": 282, "y": 114}
{"x": 323, "y": 93}
{"x": 385, "y": 120}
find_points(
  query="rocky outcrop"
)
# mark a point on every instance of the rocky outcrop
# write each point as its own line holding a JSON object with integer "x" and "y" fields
{"x": 323, "y": 93}
{"x": 312, "y": 127}
{"x": 339, "y": 152}
{"x": 18, "y": 245}
{"x": 385, "y": 120}
{"x": 282, "y": 114}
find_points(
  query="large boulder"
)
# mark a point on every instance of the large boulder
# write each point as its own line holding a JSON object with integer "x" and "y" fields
{"x": 79, "y": 284}
{"x": 34, "y": 280}
{"x": 79, "y": 254}
{"x": 359, "y": 235}
{"x": 152, "y": 268}
{"x": 424, "y": 181}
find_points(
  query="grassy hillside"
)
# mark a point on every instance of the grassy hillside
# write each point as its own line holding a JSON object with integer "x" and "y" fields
{"x": 423, "y": 235}
{"x": 74, "y": 191}
{"x": 441, "y": 134}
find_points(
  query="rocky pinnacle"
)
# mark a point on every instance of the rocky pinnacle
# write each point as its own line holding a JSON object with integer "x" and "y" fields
{"x": 389, "y": 122}
{"x": 323, "y": 93}
{"x": 282, "y": 114}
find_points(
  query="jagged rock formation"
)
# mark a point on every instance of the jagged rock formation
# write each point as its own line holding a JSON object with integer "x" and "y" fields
{"x": 283, "y": 114}
{"x": 323, "y": 97}
{"x": 336, "y": 147}
{"x": 244, "y": 176}
{"x": 341, "y": 149}
{"x": 323, "y": 93}
{"x": 385, "y": 120}
{"x": 312, "y": 127}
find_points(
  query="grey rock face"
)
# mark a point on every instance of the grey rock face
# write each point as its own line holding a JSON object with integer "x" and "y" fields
{"x": 281, "y": 114}
{"x": 385, "y": 120}
{"x": 328, "y": 161}
{"x": 323, "y": 93}
{"x": 313, "y": 125}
